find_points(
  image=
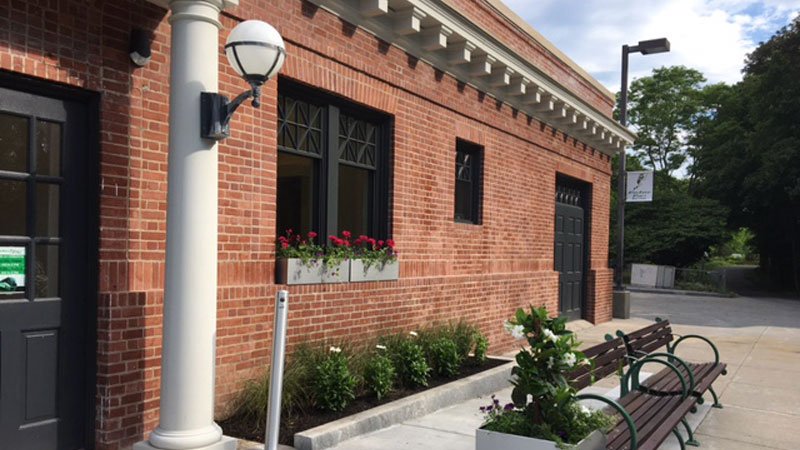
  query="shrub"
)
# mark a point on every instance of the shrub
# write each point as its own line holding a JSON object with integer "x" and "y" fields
{"x": 409, "y": 361}
{"x": 464, "y": 335}
{"x": 445, "y": 357}
{"x": 481, "y": 347}
{"x": 296, "y": 398}
{"x": 379, "y": 374}
{"x": 333, "y": 384}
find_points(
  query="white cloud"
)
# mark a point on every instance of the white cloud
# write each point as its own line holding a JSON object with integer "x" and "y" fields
{"x": 712, "y": 36}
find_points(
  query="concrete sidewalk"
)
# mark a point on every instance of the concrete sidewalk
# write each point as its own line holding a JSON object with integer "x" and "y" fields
{"x": 759, "y": 338}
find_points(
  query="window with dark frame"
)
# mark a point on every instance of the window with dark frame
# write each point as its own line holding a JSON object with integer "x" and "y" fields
{"x": 468, "y": 181}
{"x": 333, "y": 165}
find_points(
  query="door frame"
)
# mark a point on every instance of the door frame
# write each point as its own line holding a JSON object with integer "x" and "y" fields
{"x": 585, "y": 189}
{"x": 91, "y": 101}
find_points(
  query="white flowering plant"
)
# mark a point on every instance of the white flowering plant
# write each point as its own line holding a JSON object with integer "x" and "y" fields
{"x": 543, "y": 402}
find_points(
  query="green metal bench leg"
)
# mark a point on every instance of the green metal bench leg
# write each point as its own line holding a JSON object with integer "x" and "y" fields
{"x": 680, "y": 438}
{"x": 716, "y": 404}
{"x": 691, "y": 441}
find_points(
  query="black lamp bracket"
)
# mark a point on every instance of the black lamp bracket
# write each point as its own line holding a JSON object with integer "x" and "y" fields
{"x": 216, "y": 111}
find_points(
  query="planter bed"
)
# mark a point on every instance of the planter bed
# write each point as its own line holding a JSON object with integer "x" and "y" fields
{"x": 289, "y": 426}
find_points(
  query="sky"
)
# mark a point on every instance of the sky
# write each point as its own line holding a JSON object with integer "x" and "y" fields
{"x": 712, "y": 36}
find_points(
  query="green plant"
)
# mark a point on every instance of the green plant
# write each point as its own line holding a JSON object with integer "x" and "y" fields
{"x": 544, "y": 403}
{"x": 445, "y": 357}
{"x": 409, "y": 360}
{"x": 481, "y": 347}
{"x": 379, "y": 373}
{"x": 292, "y": 245}
{"x": 333, "y": 384}
{"x": 373, "y": 251}
{"x": 464, "y": 335}
{"x": 296, "y": 398}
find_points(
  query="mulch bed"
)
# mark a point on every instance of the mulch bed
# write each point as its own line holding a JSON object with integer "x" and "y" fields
{"x": 289, "y": 426}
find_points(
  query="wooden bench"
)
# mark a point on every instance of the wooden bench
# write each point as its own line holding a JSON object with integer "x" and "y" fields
{"x": 645, "y": 420}
{"x": 649, "y": 341}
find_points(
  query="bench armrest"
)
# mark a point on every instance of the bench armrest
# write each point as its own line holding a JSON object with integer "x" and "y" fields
{"x": 620, "y": 410}
{"x": 671, "y": 358}
{"x": 671, "y": 349}
{"x": 632, "y": 376}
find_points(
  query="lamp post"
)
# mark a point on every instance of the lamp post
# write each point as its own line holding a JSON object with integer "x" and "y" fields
{"x": 645, "y": 48}
{"x": 188, "y": 355}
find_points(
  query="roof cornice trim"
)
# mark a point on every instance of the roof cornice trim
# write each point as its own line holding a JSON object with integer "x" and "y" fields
{"x": 473, "y": 56}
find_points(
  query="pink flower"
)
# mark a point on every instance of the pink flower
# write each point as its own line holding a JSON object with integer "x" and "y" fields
{"x": 346, "y": 234}
{"x": 284, "y": 245}
{"x": 311, "y": 235}
{"x": 371, "y": 242}
{"x": 380, "y": 244}
{"x": 390, "y": 243}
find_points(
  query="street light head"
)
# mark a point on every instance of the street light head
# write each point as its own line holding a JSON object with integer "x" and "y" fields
{"x": 256, "y": 51}
{"x": 654, "y": 46}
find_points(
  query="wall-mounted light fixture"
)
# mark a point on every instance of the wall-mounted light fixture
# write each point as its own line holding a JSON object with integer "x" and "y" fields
{"x": 139, "y": 50}
{"x": 256, "y": 52}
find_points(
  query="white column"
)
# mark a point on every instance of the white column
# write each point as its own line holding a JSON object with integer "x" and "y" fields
{"x": 190, "y": 297}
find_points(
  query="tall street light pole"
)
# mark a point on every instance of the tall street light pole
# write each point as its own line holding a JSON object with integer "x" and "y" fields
{"x": 646, "y": 48}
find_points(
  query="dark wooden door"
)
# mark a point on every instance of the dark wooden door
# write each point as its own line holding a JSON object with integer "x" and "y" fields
{"x": 570, "y": 250}
{"x": 44, "y": 261}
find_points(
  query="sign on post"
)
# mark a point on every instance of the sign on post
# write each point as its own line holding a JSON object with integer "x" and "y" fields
{"x": 640, "y": 187}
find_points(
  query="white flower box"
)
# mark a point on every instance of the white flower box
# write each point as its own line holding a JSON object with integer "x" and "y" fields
{"x": 376, "y": 271}
{"x": 315, "y": 271}
{"x": 492, "y": 440}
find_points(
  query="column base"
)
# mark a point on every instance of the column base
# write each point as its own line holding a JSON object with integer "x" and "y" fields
{"x": 226, "y": 443}
{"x": 621, "y": 306}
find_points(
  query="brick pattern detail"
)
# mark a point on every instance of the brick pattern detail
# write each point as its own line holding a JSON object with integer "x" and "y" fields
{"x": 448, "y": 270}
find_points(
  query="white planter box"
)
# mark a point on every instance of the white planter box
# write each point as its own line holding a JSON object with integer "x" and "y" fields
{"x": 375, "y": 272}
{"x": 492, "y": 440}
{"x": 294, "y": 271}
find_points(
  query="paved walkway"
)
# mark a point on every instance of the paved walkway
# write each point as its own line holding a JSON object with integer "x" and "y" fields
{"x": 759, "y": 338}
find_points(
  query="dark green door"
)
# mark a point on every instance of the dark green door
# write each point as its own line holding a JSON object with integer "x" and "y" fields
{"x": 570, "y": 249}
{"x": 43, "y": 273}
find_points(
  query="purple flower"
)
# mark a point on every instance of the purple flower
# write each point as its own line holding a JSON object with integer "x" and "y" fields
{"x": 508, "y": 407}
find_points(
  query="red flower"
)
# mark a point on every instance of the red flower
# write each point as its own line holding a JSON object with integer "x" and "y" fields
{"x": 371, "y": 242}
{"x": 380, "y": 244}
{"x": 311, "y": 235}
{"x": 281, "y": 239}
{"x": 284, "y": 245}
{"x": 346, "y": 234}
{"x": 390, "y": 243}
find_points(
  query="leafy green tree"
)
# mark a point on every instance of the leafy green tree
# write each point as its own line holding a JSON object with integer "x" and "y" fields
{"x": 747, "y": 153}
{"x": 663, "y": 108}
{"x": 674, "y": 229}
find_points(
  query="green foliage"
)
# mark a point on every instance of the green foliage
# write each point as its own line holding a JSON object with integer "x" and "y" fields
{"x": 379, "y": 375}
{"x": 481, "y": 347}
{"x": 747, "y": 153}
{"x": 409, "y": 361}
{"x": 544, "y": 404}
{"x": 333, "y": 384}
{"x": 465, "y": 336}
{"x": 317, "y": 377}
{"x": 445, "y": 357}
{"x": 675, "y": 228}
{"x": 297, "y": 397}
{"x": 663, "y": 108}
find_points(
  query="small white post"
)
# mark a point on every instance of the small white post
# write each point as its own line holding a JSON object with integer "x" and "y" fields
{"x": 276, "y": 374}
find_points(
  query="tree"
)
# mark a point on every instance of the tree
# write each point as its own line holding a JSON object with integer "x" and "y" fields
{"x": 747, "y": 153}
{"x": 663, "y": 108}
{"x": 675, "y": 228}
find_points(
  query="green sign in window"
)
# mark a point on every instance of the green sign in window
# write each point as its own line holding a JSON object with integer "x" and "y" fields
{"x": 12, "y": 269}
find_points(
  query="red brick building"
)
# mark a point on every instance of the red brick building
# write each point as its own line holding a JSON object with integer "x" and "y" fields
{"x": 486, "y": 154}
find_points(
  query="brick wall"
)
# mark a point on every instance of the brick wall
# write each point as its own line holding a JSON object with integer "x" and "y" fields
{"x": 448, "y": 270}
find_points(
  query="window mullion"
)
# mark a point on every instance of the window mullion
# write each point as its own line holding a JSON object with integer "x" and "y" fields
{"x": 331, "y": 190}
